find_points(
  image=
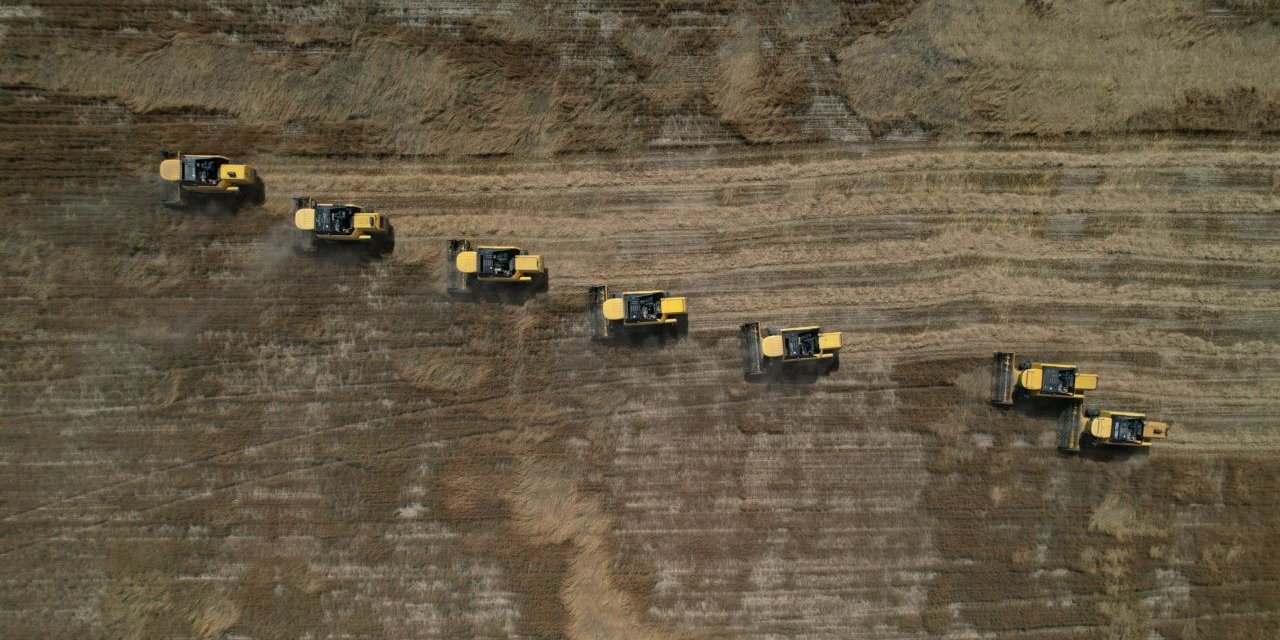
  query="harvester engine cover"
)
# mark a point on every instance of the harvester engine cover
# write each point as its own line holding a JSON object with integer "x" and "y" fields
{"x": 1058, "y": 380}
{"x": 336, "y": 220}
{"x": 497, "y": 263}
{"x": 800, "y": 344}
{"x": 643, "y": 307}
{"x": 1126, "y": 429}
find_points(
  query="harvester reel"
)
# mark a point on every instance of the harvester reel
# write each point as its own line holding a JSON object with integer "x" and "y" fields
{"x": 752, "y": 358}
{"x": 595, "y": 299}
{"x": 1003, "y": 384}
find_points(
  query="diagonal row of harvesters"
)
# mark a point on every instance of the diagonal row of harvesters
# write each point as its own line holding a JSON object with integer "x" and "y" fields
{"x": 479, "y": 270}
{"x": 511, "y": 272}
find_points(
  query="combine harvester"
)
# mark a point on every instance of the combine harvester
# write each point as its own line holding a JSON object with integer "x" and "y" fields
{"x": 316, "y": 225}
{"x": 1112, "y": 428}
{"x": 1076, "y": 428}
{"x": 770, "y": 352}
{"x": 473, "y": 269}
{"x": 208, "y": 179}
{"x": 1036, "y": 380}
{"x": 635, "y": 313}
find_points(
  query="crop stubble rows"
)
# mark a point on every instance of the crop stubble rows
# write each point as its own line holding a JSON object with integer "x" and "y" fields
{"x": 206, "y": 433}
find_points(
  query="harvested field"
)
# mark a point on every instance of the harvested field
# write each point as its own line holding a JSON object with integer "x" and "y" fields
{"x": 203, "y": 435}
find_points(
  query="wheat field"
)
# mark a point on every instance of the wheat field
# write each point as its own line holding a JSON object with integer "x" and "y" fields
{"x": 204, "y": 435}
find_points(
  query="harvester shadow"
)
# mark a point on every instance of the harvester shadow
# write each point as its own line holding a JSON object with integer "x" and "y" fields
{"x": 210, "y": 205}
{"x": 657, "y": 340}
{"x": 207, "y": 207}
{"x": 1103, "y": 453}
{"x": 1039, "y": 408}
{"x": 797, "y": 376}
{"x": 514, "y": 295}
{"x": 343, "y": 253}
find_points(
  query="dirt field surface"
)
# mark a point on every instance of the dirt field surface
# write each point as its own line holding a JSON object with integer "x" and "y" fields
{"x": 203, "y": 435}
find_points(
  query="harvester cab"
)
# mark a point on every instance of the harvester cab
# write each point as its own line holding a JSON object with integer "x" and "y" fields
{"x": 317, "y": 224}
{"x": 1036, "y": 379}
{"x": 769, "y": 350}
{"x": 470, "y": 267}
{"x": 1115, "y": 428}
{"x": 191, "y": 177}
{"x": 630, "y": 313}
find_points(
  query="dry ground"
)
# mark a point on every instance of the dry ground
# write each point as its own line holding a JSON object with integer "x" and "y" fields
{"x": 204, "y": 436}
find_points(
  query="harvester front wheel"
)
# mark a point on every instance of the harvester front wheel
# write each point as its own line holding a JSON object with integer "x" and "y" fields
{"x": 1092, "y": 412}
{"x": 544, "y": 282}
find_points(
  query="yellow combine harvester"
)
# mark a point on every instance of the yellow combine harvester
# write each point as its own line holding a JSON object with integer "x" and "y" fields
{"x": 1037, "y": 379}
{"x": 635, "y": 312}
{"x": 1116, "y": 428}
{"x": 799, "y": 349}
{"x": 189, "y": 178}
{"x": 471, "y": 267}
{"x": 340, "y": 224}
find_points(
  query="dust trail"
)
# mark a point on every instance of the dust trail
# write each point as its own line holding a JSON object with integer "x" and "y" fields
{"x": 267, "y": 261}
